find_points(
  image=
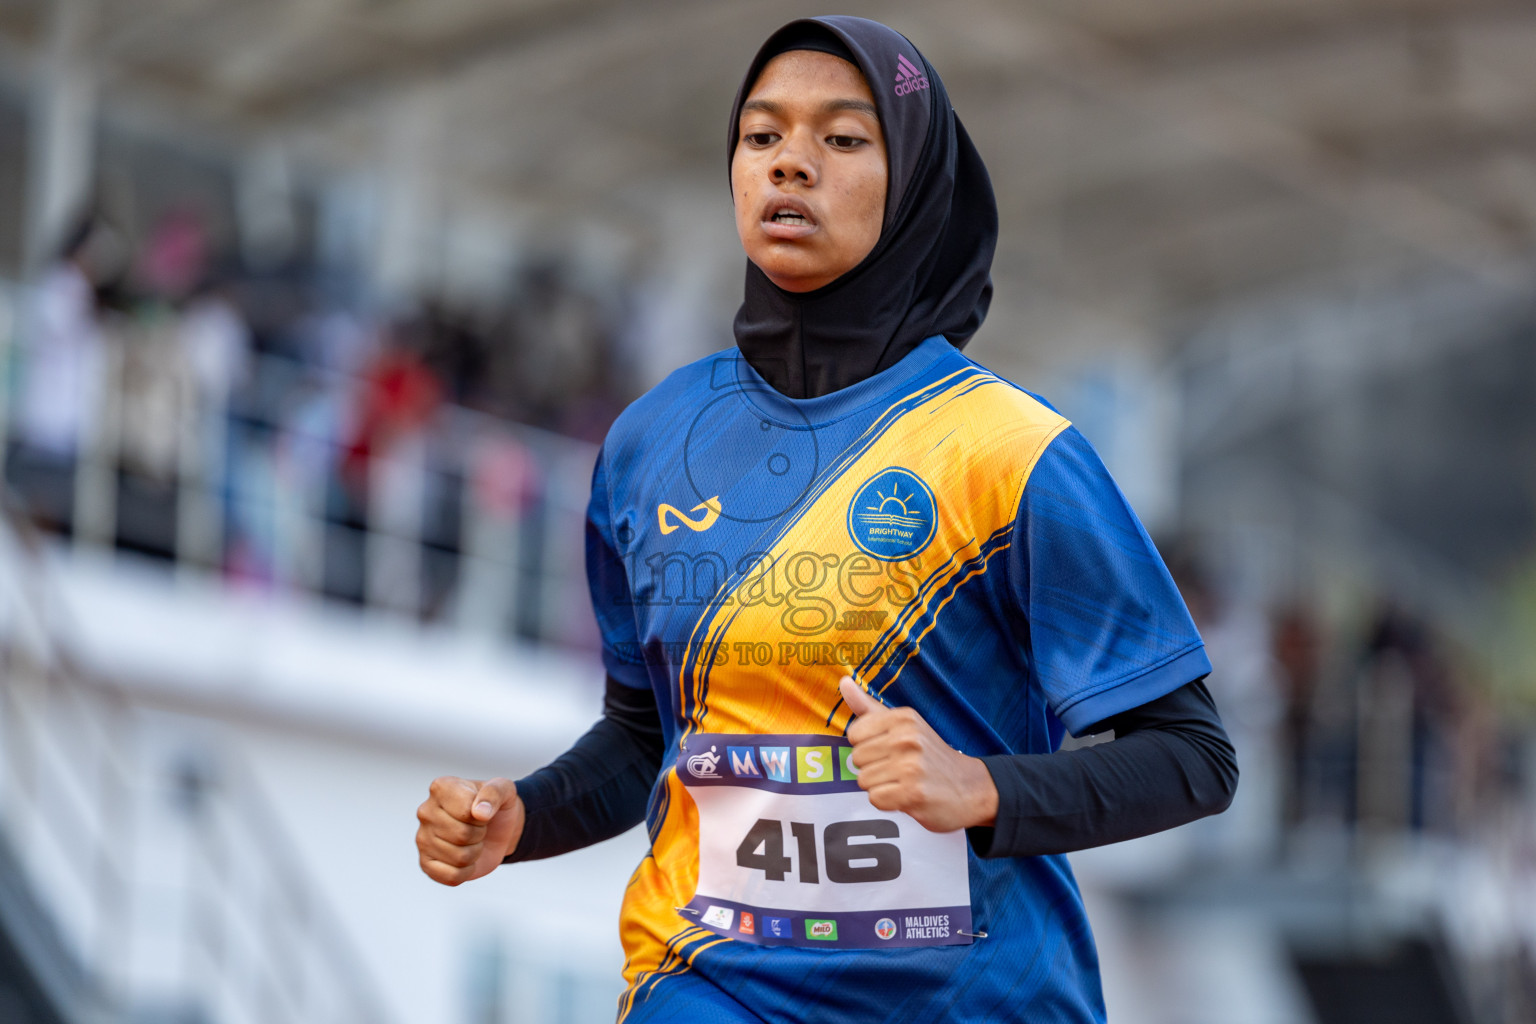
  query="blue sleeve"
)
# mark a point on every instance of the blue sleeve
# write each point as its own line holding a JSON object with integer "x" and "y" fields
{"x": 609, "y": 583}
{"x": 1107, "y": 630}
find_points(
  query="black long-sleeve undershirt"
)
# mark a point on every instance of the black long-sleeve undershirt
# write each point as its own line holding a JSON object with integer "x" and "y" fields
{"x": 599, "y": 787}
{"x": 1170, "y": 763}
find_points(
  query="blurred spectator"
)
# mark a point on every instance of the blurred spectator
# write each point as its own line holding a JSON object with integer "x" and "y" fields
{"x": 553, "y": 362}
{"x": 1410, "y": 714}
{"x": 399, "y": 394}
{"x": 156, "y": 386}
{"x": 175, "y": 256}
{"x": 335, "y": 339}
{"x": 61, "y": 354}
{"x": 216, "y": 342}
{"x": 1298, "y": 655}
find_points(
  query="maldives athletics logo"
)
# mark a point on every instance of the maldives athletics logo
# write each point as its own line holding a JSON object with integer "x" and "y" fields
{"x": 892, "y": 515}
{"x": 908, "y": 77}
{"x": 885, "y": 928}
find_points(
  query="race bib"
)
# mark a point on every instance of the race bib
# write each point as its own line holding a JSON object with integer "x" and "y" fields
{"x": 792, "y": 853}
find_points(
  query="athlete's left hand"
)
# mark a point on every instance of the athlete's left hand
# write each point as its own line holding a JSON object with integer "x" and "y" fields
{"x": 904, "y": 766}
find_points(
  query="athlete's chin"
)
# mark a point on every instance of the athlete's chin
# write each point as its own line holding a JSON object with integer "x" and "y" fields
{"x": 799, "y": 285}
{"x": 793, "y": 272}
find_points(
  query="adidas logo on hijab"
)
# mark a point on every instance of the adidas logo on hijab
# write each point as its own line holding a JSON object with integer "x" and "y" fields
{"x": 908, "y": 78}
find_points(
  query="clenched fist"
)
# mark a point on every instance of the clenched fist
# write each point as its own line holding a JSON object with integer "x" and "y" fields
{"x": 467, "y": 827}
{"x": 905, "y": 766}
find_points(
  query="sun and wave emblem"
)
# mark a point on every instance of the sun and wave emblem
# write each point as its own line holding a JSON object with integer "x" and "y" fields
{"x": 892, "y": 514}
{"x": 891, "y": 510}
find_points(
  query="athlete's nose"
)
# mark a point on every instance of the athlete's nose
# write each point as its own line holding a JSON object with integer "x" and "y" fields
{"x": 794, "y": 162}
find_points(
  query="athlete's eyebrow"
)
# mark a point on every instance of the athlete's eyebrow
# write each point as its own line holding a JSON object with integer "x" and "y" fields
{"x": 862, "y": 106}
{"x": 829, "y": 107}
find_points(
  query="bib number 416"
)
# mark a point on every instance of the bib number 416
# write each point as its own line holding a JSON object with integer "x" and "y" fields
{"x": 846, "y": 861}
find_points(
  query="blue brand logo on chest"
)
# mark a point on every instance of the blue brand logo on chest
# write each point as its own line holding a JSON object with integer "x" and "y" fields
{"x": 892, "y": 515}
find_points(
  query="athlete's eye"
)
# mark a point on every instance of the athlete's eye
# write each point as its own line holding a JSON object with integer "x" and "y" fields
{"x": 844, "y": 142}
{"x": 757, "y": 140}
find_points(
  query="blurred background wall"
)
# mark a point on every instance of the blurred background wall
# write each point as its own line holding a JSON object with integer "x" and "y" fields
{"x": 312, "y": 313}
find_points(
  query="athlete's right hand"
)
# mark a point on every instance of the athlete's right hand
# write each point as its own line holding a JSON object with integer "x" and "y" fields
{"x": 467, "y": 827}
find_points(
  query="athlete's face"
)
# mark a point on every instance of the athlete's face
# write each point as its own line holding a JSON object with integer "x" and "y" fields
{"x": 809, "y": 170}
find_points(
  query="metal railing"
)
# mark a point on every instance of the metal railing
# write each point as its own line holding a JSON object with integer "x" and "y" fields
{"x": 177, "y": 896}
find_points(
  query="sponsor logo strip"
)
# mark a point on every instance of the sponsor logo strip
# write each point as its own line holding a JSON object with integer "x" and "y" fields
{"x": 873, "y": 929}
{"x": 776, "y": 763}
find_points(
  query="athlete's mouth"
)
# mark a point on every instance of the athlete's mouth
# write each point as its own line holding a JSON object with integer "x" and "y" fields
{"x": 788, "y": 217}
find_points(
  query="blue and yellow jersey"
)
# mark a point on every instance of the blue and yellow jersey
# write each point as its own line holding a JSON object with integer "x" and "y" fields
{"x": 955, "y": 544}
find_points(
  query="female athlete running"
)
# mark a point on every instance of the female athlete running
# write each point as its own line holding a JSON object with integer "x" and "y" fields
{"x": 853, "y": 587}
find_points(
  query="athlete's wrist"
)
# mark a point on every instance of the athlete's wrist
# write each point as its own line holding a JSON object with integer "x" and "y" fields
{"x": 981, "y": 793}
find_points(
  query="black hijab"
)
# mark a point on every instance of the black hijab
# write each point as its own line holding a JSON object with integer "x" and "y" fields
{"x": 930, "y": 272}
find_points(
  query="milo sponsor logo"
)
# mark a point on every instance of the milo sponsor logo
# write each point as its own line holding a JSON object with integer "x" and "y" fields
{"x": 824, "y": 931}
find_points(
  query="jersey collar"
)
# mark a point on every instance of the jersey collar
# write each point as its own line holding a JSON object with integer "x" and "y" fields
{"x": 828, "y": 408}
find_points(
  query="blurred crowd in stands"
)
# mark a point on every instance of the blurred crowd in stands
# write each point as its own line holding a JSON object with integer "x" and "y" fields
{"x": 1358, "y": 721}
{"x": 166, "y": 400}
